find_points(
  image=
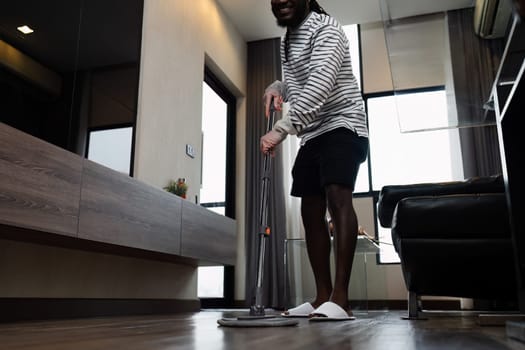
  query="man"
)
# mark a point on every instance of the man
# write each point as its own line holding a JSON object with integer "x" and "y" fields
{"x": 327, "y": 113}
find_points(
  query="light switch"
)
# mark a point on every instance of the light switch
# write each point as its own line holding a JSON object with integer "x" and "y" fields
{"x": 190, "y": 151}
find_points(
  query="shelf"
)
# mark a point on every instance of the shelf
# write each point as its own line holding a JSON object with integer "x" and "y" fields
{"x": 509, "y": 102}
{"x": 510, "y": 95}
{"x": 52, "y": 196}
{"x": 512, "y": 62}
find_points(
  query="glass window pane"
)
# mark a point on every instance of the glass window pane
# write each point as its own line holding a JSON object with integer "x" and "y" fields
{"x": 214, "y": 131}
{"x": 352, "y": 34}
{"x": 387, "y": 252}
{"x": 218, "y": 210}
{"x": 112, "y": 148}
{"x": 361, "y": 183}
{"x": 353, "y": 38}
{"x": 404, "y": 158}
{"x": 210, "y": 282}
{"x": 428, "y": 111}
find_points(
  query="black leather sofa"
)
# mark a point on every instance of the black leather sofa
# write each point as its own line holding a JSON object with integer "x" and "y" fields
{"x": 453, "y": 239}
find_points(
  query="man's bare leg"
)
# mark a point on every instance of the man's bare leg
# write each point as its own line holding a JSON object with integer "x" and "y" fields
{"x": 318, "y": 245}
{"x": 344, "y": 218}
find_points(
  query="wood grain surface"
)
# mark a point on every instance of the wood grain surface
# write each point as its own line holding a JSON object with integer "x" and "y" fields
{"x": 207, "y": 235}
{"x": 199, "y": 331}
{"x": 40, "y": 184}
{"x": 118, "y": 209}
{"x": 46, "y": 189}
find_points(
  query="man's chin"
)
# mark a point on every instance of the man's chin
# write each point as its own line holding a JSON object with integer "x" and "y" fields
{"x": 287, "y": 22}
{"x": 282, "y": 23}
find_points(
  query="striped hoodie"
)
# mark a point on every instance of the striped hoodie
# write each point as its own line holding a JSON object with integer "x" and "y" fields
{"x": 318, "y": 81}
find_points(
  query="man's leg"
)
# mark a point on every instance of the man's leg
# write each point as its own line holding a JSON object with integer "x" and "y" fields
{"x": 339, "y": 199}
{"x": 313, "y": 212}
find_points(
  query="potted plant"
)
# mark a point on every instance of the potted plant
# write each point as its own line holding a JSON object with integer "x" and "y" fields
{"x": 178, "y": 187}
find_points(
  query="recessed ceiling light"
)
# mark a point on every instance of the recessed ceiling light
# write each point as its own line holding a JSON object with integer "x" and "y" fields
{"x": 25, "y": 29}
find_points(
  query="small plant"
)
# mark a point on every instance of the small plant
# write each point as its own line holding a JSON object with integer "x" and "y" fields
{"x": 178, "y": 187}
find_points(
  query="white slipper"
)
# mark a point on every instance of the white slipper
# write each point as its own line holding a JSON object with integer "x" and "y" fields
{"x": 303, "y": 310}
{"x": 330, "y": 311}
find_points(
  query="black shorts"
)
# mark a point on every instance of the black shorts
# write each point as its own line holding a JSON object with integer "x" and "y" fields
{"x": 331, "y": 158}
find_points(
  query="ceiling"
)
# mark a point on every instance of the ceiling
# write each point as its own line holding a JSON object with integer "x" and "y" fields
{"x": 104, "y": 33}
{"x": 254, "y": 20}
{"x": 74, "y": 34}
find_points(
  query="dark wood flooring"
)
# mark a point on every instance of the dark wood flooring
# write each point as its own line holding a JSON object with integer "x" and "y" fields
{"x": 375, "y": 330}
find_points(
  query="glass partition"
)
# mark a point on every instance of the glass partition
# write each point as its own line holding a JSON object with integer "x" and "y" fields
{"x": 37, "y": 68}
{"x": 439, "y": 53}
{"x": 75, "y": 69}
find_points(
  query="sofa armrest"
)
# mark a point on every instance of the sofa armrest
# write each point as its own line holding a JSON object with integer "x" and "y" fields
{"x": 464, "y": 216}
{"x": 391, "y": 195}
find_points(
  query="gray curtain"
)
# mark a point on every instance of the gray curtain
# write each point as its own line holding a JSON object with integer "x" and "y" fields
{"x": 264, "y": 67}
{"x": 474, "y": 64}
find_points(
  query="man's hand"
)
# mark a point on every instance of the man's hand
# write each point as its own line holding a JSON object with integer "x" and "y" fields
{"x": 277, "y": 101}
{"x": 270, "y": 140}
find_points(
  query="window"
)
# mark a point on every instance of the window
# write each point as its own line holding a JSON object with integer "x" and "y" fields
{"x": 214, "y": 126}
{"x": 218, "y": 147}
{"x": 217, "y": 193}
{"x": 210, "y": 282}
{"x": 403, "y": 158}
{"x": 352, "y": 33}
{"x": 111, "y": 147}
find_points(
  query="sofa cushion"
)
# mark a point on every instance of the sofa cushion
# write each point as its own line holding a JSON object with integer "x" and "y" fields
{"x": 392, "y": 194}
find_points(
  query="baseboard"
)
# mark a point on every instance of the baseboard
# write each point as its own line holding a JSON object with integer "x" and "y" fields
{"x": 429, "y": 305}
{"x": 390, "y": 304}
{"x": 377, "y": 304}
{"x": 396, "y": 304}
{"x": 25, "y": 309}
{"x": 444, "y": 305}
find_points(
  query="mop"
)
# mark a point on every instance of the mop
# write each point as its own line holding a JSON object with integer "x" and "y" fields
{"x": 257, "y": 316}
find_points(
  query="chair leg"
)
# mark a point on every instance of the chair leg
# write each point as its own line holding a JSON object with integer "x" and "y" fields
{"x": 413, "y": 301}
{"x": 413, "y": 307}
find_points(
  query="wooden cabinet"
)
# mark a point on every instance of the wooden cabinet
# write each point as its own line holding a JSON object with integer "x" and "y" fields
{"x": 118, "y": 209}
{"x": 509, "y": 102}
{"x": 49, "y": 195}
{"x": 39, "y": 184}
{"x": 206, "y": 236}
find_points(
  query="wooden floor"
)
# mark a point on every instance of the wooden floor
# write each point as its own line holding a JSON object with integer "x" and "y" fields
{"x": 375, "y": 330}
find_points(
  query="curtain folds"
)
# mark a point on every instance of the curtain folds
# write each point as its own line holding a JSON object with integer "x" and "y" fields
{"x": 475, "y": 63}
{"x": 264, "y": 67}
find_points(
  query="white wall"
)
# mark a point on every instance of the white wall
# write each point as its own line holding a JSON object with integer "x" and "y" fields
{"x": 417, "y": 56}
{"x": 29, "y": 270}
{"x": 374, "y": 57}
{"x": 179, "y": 36}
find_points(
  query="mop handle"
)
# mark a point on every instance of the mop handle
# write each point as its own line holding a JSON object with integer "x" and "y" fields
{"x": 258, "y": 308}
{"x": 265, "y": 184}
